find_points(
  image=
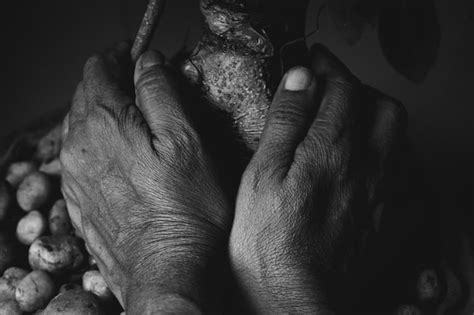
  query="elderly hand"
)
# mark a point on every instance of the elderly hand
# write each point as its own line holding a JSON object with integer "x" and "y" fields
{"x": 139, "y": 187}
{"x": 306, "y": 198}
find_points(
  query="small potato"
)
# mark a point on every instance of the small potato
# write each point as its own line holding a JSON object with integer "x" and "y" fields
{"x": 18, "y": 171}
{"x": 34, "y": 291}
{"x": 6, "y": 253}
{"x": 8, "y": 283}
{"x": 49, "y": 146}
{"x": 428, "y": 286}
{"x": 74, "y": 302}
{"x": 94, "y": 282}
{"x": 52, "y": 168}
{"x": 6, "y": 200}
{"x": 34, "y": 191}
{"x": 69, "y": 286}
{"x": 30, "y": 227}
{"x": 59, "y": 221}
{"x": 56, "y": 254}
{"x": 10, "y": 307}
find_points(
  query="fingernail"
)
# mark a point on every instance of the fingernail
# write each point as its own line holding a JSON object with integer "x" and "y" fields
{"x": 150, "y": 59}
{"x": 298, "y": 79}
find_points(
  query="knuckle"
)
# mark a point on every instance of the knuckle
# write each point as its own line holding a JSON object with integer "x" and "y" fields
{"x": 182, "y": 145}
{"x": 94, "y": 61}
{"x": 287, "y": 112}
{"x": 147, "y": 81}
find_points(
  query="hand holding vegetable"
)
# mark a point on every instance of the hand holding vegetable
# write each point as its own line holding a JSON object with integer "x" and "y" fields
{"x": 306, "y": 198}
{"x": 139, "y": 187}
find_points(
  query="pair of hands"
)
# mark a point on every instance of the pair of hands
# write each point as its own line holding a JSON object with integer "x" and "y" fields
{"x": 141, "y": 188}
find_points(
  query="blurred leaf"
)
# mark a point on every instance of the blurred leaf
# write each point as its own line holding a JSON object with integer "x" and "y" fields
{"x": 352, "y": 16}
{"x": 409, "y": 34}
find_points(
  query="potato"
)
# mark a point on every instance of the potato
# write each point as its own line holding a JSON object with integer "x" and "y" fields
{"x": 8, "y": 283}
{"x": 6, "y": 253}
{"x": 56, "y": 254}
{"x": 428, "y": 286}
{"x": 69, "y": 286}
{"x": 34, "y": 191}
{"x": 10, "y": 307}
{"x": 49, "y": 146}
{"x": 52, "y": 168}
{"x": 74, "y": 302}
{"x": 34, "y": 291}
{"x": 18, "y": 171}
{"x": 94, "y": 282}
{"x": 6, "y": 200}
{"x": 30, "y": 227}
{"x": 59, "y": 221}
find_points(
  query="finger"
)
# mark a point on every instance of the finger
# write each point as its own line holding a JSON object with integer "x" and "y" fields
{"x": 288, "y": 119}
{"x": 78, "y": 110}
{"x": 340, "y": 100}
{"x": 157, "y": 94}
{"x": 107, "y": 79}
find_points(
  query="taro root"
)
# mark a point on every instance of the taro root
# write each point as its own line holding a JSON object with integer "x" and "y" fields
{"x": 94, "y": 282}
{"x": 34, "y": 291}
{"x": 6, "y": 200}
{"x": 30, "y": 227}
{"x": 18, "y": 171}
{"x": 34, "y": 191}
{"x": 74, "y": 302}
{"x": 59, "y": 221}
{"x": 10, "y": 307}
{"x": 49, "y": 146}
{"x": 56, "y": 254}
{"x": 8, "y": 283}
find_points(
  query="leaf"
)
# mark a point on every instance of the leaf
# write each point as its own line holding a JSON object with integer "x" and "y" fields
{"x": 409, "y": 34}
{"x": 352, "y": 16}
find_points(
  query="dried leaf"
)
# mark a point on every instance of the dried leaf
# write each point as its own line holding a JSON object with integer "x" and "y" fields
{"x": 352, "y": 16}
{"x": 409, "y": 34}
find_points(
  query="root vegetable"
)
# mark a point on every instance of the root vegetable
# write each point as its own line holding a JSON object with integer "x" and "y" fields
{"x": 56, "y": 254}
{"x": 94, "y": 282}
{"x": 34, "y": 191}
{"x": 8, "y": 283}
{"x": 34, "y": 291}
{"x": 49, "y": 146}
{"x": 428, "y": 286}
{"x": 52, "y": 168}
{"x": 59, "y": 221}
{"x": 18, "y": 171}
{"x": 74, "y": 302}
{"x": 30, "y": 227}
{"x": 10, "y": 307}
{"x": 6, "y": 200}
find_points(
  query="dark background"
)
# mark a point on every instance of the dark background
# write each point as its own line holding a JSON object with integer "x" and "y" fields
{"x": 47, "y": 42}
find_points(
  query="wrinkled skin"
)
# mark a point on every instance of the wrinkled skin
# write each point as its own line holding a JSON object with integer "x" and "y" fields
{"x": 139, "y": 186}
{"x": 141, "y": 190}
{"x": 307, "y": 197}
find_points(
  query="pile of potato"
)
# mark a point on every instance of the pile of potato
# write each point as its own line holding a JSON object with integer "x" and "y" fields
{"x": 45, "y": 266}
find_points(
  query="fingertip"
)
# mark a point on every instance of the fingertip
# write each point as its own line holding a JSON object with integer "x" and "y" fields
{"x": 298, "y": 79}
{"x": 147, "y": 60}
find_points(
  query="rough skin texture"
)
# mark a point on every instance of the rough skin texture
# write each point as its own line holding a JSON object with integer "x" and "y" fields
{"x": 231, "y": 65}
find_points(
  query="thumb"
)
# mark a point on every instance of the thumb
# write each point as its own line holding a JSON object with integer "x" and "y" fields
{"x": 289, "y": 118}
{"x": 157, "y": 93}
